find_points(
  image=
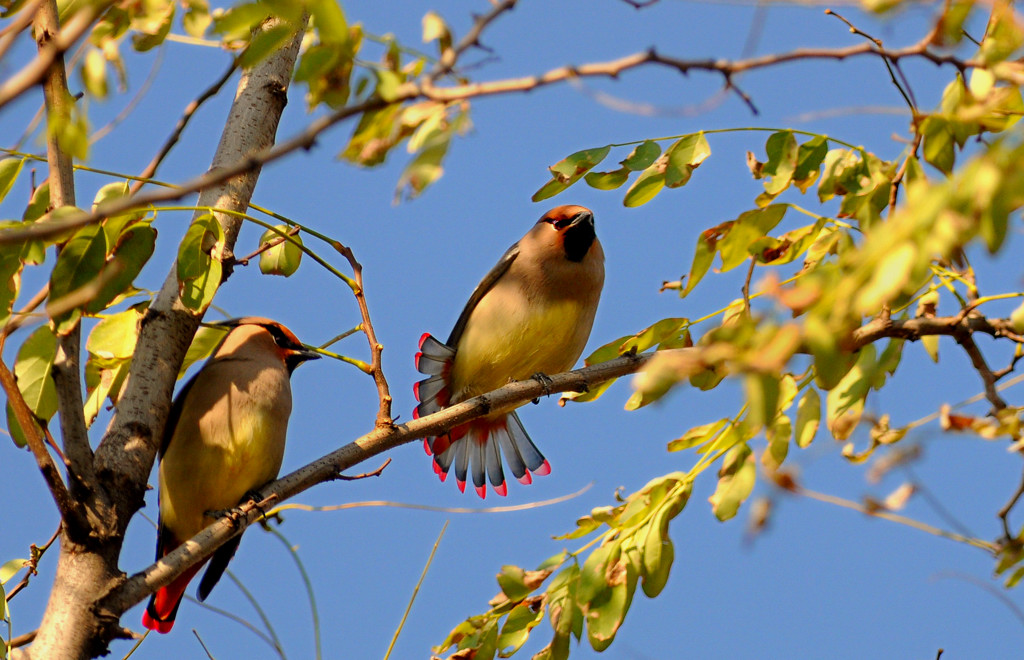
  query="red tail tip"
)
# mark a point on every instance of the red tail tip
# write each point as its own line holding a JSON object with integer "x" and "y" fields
{"x": 423, "y": 338}
{"x": 461, "y": 484}
{"x": 416, "y": 388}
{"x": 426, "y": 445}
{"x": 544, "y": 470}
{"x": 482, "y": 491}
{"x": 501, "y": 489}
{"x": 162, "y": 627}
{"x": 526, "y": 479}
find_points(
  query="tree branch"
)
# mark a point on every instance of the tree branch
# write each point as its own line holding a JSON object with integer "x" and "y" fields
{"x": 328, "y": 467}
{"x": 34, "y": 72}
{"x": 384, "y": 419}
{"x": 66, "y": 505}
{"x": 74, "y": 431}
{"x": 427, "y": 90}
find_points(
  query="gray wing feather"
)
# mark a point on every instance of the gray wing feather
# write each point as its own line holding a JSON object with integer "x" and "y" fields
{"x": 481, "y": 289}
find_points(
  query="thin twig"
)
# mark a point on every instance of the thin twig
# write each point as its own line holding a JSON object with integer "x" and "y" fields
{"x": 307, "y": 583}
{"x": 365, "y": 475}
{"x": 20, "y": 317}
{"x": 129, "y": 107}
{"x": 893, "y": 517}
{"x": 987, "y": 377}
{"x": 1004, "y": 512}
{"x": 35, "y": 554}
{"x": 426, "y": 507}
{"x": 384, "y": 419}
{"x": 380, "y": 439}
{"x": 179, "y": 127}
{"x": 274, "y": 242}
{"x": 746, "y": 285}
{"x": 415, "y": 591}
{"x": 66, "y": 373}
{"x": 68, "y": 507}
{"x": 472, "y": 38}
{"x": 427, "y": 90}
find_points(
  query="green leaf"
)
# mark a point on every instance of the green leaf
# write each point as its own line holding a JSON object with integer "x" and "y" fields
{"x": 808, "y": 416}
{"x": 697, "y": 436}
{"x": 778, "y": 435}
{"x": 285, "y": 257}
{"x": 10, "y": 569}
{"x": 607, "y": 180}
{"x": 104, "y": 378}
{"x": 10, "y": 168}
{"x": 512, "y": 581}
{"x": 647, "y": 185}
{"x": 683, "y": 158}
{"x": 569, "y": 170}
{"x": 735, "y": 482}
{"x": 78, "y": 264}
{"x": 939, "y": 143}
{"x": 808, "y": 162}
{"x": 32, "y": 369}
{"x": 782, "y": 161}
{"x": 643, "y": 156}
{"x": 132, "y": 250}
{"x": 762, "y": 390}
{"x": 707, "y": 246}
{"x": 115, "y": 336}
{"x": 521, "y": 620}
{"x": 238, "y": 22}
{"x": 94, "y": 73}
{"x": 329, "y": 20}
{"x": 199, "y": 262}
{"x": 265, "y": 42}
{"x": 10, "y": 276}
{"x": 735, "y": 246}
{"x": 845, "y": 403}
{"x": 606, "y": 607}
{"x": 203, "y": 344}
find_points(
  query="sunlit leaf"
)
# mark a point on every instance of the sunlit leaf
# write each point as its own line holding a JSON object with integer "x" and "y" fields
{"x": 735, "y": 482}
{"x": 285, "y": 257}
{"x": 32, "y": 369}
{"x": 199, "y": 262}
{"x": 808, "y": 416}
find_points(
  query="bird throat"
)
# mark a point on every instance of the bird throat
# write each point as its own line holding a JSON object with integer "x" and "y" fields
{"x": 578, "y": 240}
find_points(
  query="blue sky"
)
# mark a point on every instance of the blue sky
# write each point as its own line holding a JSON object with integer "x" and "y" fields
{"x": 821, "y": 582}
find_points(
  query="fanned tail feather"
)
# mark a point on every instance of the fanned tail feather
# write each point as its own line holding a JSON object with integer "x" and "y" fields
{"x": 477, "y": 454}
{"x": 475, "y": 448}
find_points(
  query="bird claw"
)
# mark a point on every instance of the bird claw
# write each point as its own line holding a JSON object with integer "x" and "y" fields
{"x": 545, "y": 382}
{"x": 235, "y": 514}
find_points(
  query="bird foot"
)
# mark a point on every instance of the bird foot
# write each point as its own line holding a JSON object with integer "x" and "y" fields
{"x": 235, "y": 514}
{"x": 545, "y": 382}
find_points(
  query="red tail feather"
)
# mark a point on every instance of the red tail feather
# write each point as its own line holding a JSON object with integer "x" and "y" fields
{"x": 163, "y": 606}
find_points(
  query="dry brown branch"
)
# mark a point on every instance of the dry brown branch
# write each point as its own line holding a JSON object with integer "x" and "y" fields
{"x": 427, "y": 90}
{"x": 20, "y": 317}
{"x": 384, "y": 419}
{"x": 34, "y": 72}
{"x": 1004, "y": 512}
{"x": 22, "y": 20}
{"x": 365, "y": 475}
{"x": 274, "y": 242}
{"x": 326, "y": 468}
{"x": 981, "y": 366}
{"x": 68, "y": 508}
{"x": 36, "y": 553}
{"x": 472, "y": 38}
{"x": 66, "y": 366}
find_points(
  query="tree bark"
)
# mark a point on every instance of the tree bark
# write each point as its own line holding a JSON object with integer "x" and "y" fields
{"x": 87, "y": 568}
